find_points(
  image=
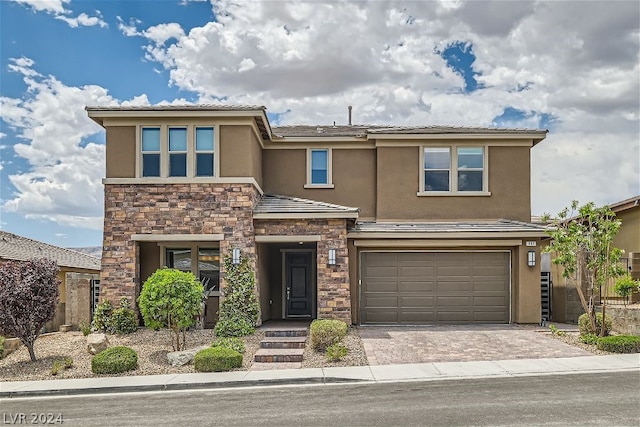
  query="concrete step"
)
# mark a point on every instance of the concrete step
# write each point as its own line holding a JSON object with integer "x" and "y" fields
{"x": 285, "y": 333}
{"x": 271, "y": 355}
{"x": 283, "y": 342}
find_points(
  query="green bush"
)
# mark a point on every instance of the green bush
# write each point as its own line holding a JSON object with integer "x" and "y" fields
{"x": 85, "y": 328}
{"x": 1, "y": 346}
{"x": 625, "y": 286}
{"x": 326, "y": 332}
{"x": 114, "y": 360}
{"x": 171, "y": 299}
{"x": 239, "y": 310}
{"x": 231, "y": 343}
{"x": 217, "y": 359}
{"x": 102, "y": 317}
{"x": 620, "y": 344}
{"x": 124, "y": 320}
{"x": 585, "y": 325}
{"x": 590, "y": 339}
{"x": 336, "y": 352}
{"x": 60, "y": 365}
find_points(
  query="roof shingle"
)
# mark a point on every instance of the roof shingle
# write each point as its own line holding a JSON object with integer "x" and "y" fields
{"x": 14, "y": 247}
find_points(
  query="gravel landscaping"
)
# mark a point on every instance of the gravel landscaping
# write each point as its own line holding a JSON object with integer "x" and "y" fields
{"x": 355, "y": 356}
{"x": 573, "y": 338}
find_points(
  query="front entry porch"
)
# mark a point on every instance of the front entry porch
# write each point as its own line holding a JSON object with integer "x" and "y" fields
{"x": 287, "y": 280}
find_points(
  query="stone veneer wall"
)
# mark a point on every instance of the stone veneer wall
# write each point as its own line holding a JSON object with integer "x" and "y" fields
{"x": 624, "y": 319}
{"x": 333, "y": 293}
{"x": 170, "y": 209}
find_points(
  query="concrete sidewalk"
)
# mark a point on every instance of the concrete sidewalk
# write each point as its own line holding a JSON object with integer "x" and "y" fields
{"x": 379, "y": 373}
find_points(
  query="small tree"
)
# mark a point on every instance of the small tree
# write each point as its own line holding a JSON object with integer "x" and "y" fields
{"x": 171, "y": 299}
{"x": 582, "y": 242}
{"x": 239, "y": 310}
{"x": 625, "y": 286}
{"x": 28, "y": 298}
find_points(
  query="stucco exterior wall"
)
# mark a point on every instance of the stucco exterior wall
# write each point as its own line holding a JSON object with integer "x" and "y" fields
{"x": 121, "y": 152}
{"x": 240, "y": 153}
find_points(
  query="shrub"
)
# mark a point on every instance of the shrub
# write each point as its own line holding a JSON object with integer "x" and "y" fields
{"x": 239, "y": 310}
{"x": 217, "y": 359}
{"x": 85, "y": 328}
{"x": 231, "y": 343}
{"x": 585, "y": 325}
{"x": 1, "y": 346}
{"x": 171, "y": 299}
{"x": 114, "y": 360}
{"x": 336, "y": 352}
{"x": 620, "y": 344}
{"x": 60, "y": 365}
{"x": 590, "y": 339}
{"x": 102, "y": 317}
{"x": 28, "y": 298}
{"x": 625, "y": 286}
{"x": 326, "y": 332}
{"x": 123, "y": 319}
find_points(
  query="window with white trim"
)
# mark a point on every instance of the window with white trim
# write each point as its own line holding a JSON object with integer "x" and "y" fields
{"x": 454, "y": 170}
{"x": 319, "y": 173}
{"x": 177, "y": 151}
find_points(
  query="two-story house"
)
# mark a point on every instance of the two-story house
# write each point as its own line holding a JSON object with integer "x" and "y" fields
{"x": 369, "y": 224}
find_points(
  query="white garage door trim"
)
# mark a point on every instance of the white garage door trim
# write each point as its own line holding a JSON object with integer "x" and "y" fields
{"x": 360, "y": 274}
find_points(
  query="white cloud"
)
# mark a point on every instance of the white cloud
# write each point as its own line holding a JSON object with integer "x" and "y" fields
{"x": 62, "y": 146}
{"x": 578, "y": 63}
{"x": 58, "y": 9}
{"x": 129, "y": 29}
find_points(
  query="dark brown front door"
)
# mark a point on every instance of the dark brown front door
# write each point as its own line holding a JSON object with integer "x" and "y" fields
{"x": 298, "y": 292}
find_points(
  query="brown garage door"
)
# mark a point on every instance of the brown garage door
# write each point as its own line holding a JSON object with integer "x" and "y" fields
{"x": 435, "y": 287}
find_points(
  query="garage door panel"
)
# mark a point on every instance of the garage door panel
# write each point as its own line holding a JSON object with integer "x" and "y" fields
{"x": 416, "y": 301}
{"x": 415, "y": 286}
{"x": 435, "y": 287}
{"x": 408, "y": 316}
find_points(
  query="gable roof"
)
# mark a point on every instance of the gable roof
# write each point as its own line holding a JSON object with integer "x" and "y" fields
{"x": 14, "y": 247}
{"x": 275, "y": 206}
{"x": 626, "y": 204}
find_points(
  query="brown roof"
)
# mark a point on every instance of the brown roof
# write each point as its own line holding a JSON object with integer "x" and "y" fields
{"x": 186, "y": 107}
{"x": 501, "y": 225}
{"x": 275, "y": 204}
{"x": 14, "y": 247}
{"x": 625, "y": 204}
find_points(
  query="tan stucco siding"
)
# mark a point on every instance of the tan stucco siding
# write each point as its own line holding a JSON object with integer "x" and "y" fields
{"x": 399, "y": 176}
{"x": 121, "y": 152}
{"x": 526, "y": 295}
{"x": 628, "y": 238}
{"x": 256, "y": 159}
{"x": 285, "y": 172}
{"x": 237, "y": 152}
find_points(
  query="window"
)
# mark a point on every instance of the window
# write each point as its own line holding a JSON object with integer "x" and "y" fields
{"x": 319, "y": 168}
{"x": 470, "y": 168}
{"x": 177, "y": 151}
{"x": 204, "y": 263}
{"x": 204, "y": 151}
{"x": 453, "y": 170}
{"x": 181, "y": 151}
{"x": 151, "y": 151}
{"x": 437, "y": 163}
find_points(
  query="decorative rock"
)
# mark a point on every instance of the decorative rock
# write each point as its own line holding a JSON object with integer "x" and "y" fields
{"x": 180, "y": 358}
{"x": 96, "y": 343}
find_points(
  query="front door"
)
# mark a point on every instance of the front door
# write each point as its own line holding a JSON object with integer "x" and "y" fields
{"x": 298, "y": 290}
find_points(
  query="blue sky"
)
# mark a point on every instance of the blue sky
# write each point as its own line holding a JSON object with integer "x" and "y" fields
{"x": 570, "y": 67}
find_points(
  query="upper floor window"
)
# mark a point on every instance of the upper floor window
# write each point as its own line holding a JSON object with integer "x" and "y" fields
{"x": 319, "y": 168}
{"x": 177, "y": 151}
{"x": 453, "y": 170}
{"x": 151, "y": 151}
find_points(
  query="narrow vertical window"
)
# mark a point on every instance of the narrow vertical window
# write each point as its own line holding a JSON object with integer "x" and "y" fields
{"x": 319, "y": 166}
{"x": 470, "y": 169}
{"x": 150, "y": 151}
{"x": 437, "y": 169}
{"x": 204, "y": 151}
{"x": 177, "y": 151}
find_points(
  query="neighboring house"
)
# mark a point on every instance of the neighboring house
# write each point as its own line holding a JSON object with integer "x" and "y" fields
{"x": 369, "y": 224}
{"x": 78, "y": 273}
{"x": 566, "y": 304}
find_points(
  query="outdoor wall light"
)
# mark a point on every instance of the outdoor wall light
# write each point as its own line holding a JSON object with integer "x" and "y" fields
{"x": 531, "y": 258}
{"x": 332, "y": 257}
{"x": 235, "y": 256}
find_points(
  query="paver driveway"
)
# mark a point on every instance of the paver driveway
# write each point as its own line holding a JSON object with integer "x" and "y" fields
{"x": 459, "y": 343}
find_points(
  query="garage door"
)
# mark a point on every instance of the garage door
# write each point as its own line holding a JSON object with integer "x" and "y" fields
{"x": 435, "y": 287}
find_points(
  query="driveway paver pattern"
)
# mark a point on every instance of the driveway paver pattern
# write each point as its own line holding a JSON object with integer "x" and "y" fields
{"x": 385, "y": 345}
